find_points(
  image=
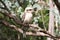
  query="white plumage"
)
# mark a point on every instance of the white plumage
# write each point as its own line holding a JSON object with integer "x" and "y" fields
{"x": 27, "y": 16}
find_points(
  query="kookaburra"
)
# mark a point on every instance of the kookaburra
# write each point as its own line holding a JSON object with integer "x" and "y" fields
{"x": 27, "y": 18}
{"x": 28, "y": 15}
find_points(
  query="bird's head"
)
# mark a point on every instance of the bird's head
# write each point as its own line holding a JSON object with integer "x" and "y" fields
{"x": 29, "y": 9}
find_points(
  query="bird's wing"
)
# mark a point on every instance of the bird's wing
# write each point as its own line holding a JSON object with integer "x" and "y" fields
{"x": 23, "y": 16}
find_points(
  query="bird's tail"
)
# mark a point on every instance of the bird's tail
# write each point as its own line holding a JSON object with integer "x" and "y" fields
{"x": 24, "y": 34}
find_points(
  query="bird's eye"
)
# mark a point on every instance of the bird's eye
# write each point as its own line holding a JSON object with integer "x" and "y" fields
{"x": 29, "y": 9}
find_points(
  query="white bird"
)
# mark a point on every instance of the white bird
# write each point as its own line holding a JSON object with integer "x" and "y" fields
{"x": 27, "y": 18}
{"x": 28, "y": 15}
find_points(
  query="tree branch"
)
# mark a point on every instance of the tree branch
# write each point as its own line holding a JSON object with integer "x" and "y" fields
{"x": 27, "y": 33}
{"x": 18, "y": 29}
{"x": 5, "y": 6}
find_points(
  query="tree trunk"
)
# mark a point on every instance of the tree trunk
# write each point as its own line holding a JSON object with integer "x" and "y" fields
{"x": 51, "y": 20}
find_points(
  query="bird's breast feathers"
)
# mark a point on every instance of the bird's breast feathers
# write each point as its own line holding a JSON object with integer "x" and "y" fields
{"x": 28, "y": 17}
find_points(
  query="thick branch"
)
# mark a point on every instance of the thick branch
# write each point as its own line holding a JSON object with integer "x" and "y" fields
{"x": 21, "y": 31}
